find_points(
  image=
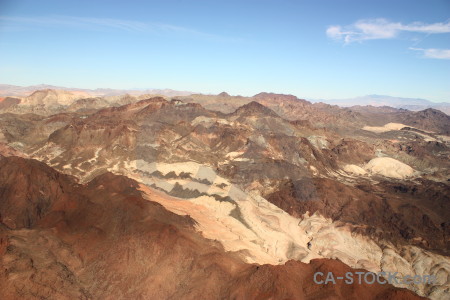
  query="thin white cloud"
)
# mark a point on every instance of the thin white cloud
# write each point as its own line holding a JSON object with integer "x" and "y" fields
{"x": 381, "y": 29}
{"x": 87, "y": 23}
{"x": 434, "y": 53}
{"x": 90, "y": 24}
{"x": 113, "y": 24}
{"x": 192, "y": 32}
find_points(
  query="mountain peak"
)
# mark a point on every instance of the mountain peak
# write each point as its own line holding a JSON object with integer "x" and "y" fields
{"x": 274, "y": 96}
{"x": 433, "y": 112}
{"x": 255, "y": 108}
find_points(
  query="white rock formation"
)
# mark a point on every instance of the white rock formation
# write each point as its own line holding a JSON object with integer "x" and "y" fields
{"x": 389, "y": 167}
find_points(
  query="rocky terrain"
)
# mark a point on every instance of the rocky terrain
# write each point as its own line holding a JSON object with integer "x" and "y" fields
{"x": 219, "y": 197}
{"x": 59, "y": 239}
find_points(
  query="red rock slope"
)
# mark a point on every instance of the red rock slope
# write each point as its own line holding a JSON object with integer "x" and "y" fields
{"x": 103, "y": 240}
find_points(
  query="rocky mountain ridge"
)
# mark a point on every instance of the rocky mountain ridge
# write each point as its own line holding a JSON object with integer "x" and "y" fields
{"x": 275, "y": 180}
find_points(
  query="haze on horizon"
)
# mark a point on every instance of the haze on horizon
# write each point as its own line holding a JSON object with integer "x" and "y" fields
{"x": 314, "y": 50}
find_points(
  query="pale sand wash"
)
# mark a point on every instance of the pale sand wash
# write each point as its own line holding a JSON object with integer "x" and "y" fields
{"x": 398, "y": 126}
{"x": 386, "y": 127}
{"x": 267, "y": 233}
{"x": 389, "y": 167}
{"x": 393, "y": 126}
{"x": 385, "y": 166}
{"x": 262, "y": 233}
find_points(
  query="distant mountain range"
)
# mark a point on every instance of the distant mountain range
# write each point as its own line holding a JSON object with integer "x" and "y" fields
{"x": 22, "y": 91}
{"x": 414, "y": 104}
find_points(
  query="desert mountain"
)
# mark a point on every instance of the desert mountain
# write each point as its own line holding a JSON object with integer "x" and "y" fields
{"x": 270, "y": 180}
{"x": 52, "y": 97}
{"x": 342, "y": 120}
{"x": 60, "y": 239}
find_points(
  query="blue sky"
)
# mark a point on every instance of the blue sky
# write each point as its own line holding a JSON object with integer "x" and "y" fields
{"x": 312, "y": 49}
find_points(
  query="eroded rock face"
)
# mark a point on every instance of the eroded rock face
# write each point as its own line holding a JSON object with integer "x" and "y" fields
{"x": 104, "y": 240}
{"x": 389, "y": 211}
